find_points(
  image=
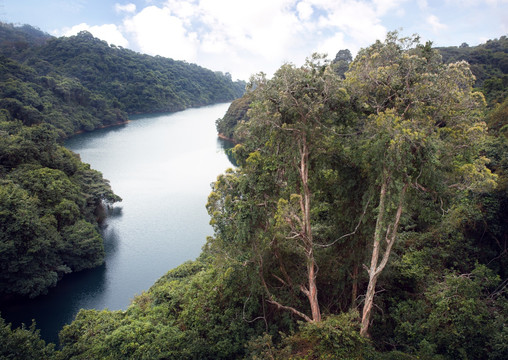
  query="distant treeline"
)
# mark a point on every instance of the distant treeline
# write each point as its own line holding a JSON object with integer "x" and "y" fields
{"x": 489, "y": 64}
{"x": 81, "y": 83}
{"x": 51, "y": 88}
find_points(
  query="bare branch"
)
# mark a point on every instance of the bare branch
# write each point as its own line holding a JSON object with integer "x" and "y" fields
{"x": 351, "y": 233}
{"x": 243, "y": 312}
{"x": 393, "y": 234}
{"x": 278, "y": 278}
{"x": 291, "y": 309}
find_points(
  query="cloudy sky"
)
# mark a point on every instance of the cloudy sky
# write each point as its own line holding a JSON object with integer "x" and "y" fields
{"x": 244, "y": 37}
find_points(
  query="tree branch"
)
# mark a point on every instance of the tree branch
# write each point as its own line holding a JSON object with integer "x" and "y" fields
{"x": 351, "y": 233}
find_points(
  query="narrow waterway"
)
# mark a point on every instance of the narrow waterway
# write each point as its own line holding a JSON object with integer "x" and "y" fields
{"x": 162, "y": 166}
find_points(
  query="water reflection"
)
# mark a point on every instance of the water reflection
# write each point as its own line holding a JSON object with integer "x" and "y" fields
{"x": 111, "y": 241}
{"x": 227, "y": 146}
{"x": 55, "y": 309}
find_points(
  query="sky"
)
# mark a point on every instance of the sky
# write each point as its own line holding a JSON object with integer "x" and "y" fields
{"x": 247, "y": 37}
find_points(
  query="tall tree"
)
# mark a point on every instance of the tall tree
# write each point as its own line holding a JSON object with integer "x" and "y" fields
{"x": 288, "y": 118}
{"x": 422, "y": 127}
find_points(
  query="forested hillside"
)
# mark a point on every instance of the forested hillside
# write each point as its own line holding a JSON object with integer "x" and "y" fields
{"x": 81, "y": 83}
{"x": 489, "y": 64}
{"x": 50, "y": 88}
{"x": 366, "y": 220}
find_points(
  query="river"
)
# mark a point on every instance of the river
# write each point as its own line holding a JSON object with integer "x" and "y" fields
{"x": 162, "y": 166}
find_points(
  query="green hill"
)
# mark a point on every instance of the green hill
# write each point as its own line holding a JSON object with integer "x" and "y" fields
{"x": 81, "y": 83}
{"x": 489, "y": 64}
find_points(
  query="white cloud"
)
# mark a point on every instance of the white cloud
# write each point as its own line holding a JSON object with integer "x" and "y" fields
{"x": 127, "y": 8}
{"x": 332, "y": 45}
{"x": 436, "y": 26}
{"x": 304, "y": 10}
{"x": 244, "y": 37}
{"x": 468, "y": 3}
{"x": 157, "y": 32}
{"x": 183, "y": 9}
{"x": 359, "y": 19}
{"x": 108, "y": 32}
{"x": 423, "y": 4}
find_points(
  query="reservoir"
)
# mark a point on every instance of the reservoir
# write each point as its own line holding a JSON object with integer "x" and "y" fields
{"x": 162, "y": 167}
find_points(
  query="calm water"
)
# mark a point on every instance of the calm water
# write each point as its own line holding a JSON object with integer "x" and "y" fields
{"x": 162, "y": 167}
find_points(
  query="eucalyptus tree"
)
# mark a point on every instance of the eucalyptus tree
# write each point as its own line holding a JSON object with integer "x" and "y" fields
{"x": 288, "y": 120}
{"x": 422, "y": 124}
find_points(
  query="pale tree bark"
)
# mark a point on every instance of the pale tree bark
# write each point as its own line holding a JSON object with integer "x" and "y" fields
{"x": 354, "y": 290}
{"x": 375, "y": 269}
{"x": 293, "y": 107}
{"x": 311, "y": 291}
{"x": 272, "y": 300}
{"x": 302, "y": 230}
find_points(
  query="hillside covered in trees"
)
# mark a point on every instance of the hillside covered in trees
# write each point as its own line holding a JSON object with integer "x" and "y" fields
{"x": 81, "y": 83}
{"x": 366, "y": 220}
{"x": 489, "y": 65}
{"x": 50, "y": 88}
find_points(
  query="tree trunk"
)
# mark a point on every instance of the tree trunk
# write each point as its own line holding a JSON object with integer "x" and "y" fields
{"x": 312, "y": 291}
{"x": 375, "y": 269}
{"x": 312, "y": 295}
{"x": 354, "y": 290}
{"x": 371, "y": 288}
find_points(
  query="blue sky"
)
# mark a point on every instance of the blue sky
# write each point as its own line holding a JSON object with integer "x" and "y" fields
{"x": 245, "y": 37}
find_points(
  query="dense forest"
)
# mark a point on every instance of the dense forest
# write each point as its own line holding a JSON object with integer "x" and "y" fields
{"x": 366, "y": 220}
{"x": 50, "y": 88}
{"x": 81, "y": 83}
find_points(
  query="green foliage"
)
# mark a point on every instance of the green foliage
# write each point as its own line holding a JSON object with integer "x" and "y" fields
{"x": 236, "y": 113}
{"x": 23, "y": 343}
{"x": 342, "y": 61}
{"x": 418, "y": 125}
{"x": 44, "y": 232}
{"x": 498, "y": 119}
{"x": 49, "y": 205}
{"x": 456, "y": 318}
{"x": 129, "y": 81}
{"x": 489, "y": 64}
{"x": 61, "y": 101}
{"x": 264, "y": 214}
{"x": 193, "y": 312}
{"x": 335, "y": 337}
{"x": 28, "y": 239}
{"x": 80, "y": 83}
{"x": 15, "y": 40}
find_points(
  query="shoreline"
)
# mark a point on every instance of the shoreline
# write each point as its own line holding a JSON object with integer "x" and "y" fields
{"x": 224, "y": 137}
{"x": 100, "y": 127}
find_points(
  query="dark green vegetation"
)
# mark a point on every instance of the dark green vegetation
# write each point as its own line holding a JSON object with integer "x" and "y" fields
{"x": 49, "y": 202}
{"x": 50, "y": 88}
{"x": 366, "y": 220}
{"x": 489, "y": 64}
{"x": 80, "y": 83}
